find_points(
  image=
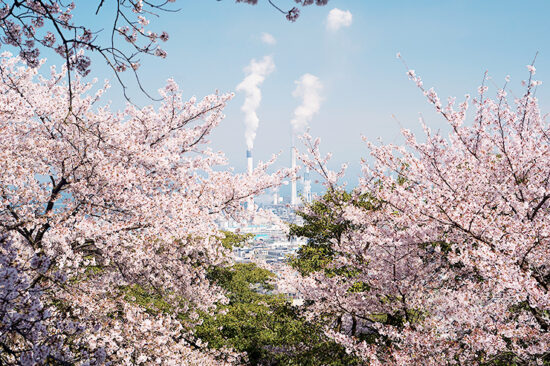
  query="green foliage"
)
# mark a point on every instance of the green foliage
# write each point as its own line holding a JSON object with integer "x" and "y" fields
{"x": 89, "y": 272}
{"x": 265, "y": 326}
{"x": 232, "y": 239}
{"x": 358, "y": 287}
{"x": 311, "y": 258}
{"x": 152, "y": 302}
{"x": 322, "y": 226}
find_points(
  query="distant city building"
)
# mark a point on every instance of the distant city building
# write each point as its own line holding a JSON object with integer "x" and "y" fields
{"x": 270, "y": 243}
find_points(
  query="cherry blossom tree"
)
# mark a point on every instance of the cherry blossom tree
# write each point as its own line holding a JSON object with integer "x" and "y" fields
{"x": 451, "y": 262}
{"x": 95, "y": 204}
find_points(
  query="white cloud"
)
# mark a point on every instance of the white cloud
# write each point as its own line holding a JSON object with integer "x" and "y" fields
{"x": 337, "y": 19}
{"x": 268, "y": 39}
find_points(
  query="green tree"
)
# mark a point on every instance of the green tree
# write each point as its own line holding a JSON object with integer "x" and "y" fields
{"x": 323, "y": 226}
{"x": 231, "y": 239}
{"x": 264, "y": 325}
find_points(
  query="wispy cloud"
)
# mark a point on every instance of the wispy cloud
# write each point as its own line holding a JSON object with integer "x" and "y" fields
{"x": 308, "y": 89}
{"x": 268, "y": 39}
{"x": 337, "y": 19}
{"x": 256, "y": 72}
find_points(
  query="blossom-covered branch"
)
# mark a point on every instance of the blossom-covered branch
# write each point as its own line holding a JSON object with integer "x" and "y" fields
{"x": 32, "y": 25}
{"x": 292, "y": 14}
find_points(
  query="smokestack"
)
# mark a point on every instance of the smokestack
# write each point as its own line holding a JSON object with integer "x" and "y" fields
{"x": 250, "y": 167}
{"x": 308, "y": 90}
{"x": 307, "y": 187}
{"x": 249, "y": 161}
{"x": 275, "y": 191}
{"x": 293, "y": 195}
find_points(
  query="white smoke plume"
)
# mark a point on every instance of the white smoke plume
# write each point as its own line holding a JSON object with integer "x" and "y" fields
{"x": 256, "y": 72}
{"x": 308, "y": 89}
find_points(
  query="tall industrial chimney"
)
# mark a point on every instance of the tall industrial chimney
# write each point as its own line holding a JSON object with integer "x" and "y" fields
{"x": 293, "y": 194}
{"x": 250, "y": 167}
{"x": 307, "y": 187}
{"x": 249, "y": 161}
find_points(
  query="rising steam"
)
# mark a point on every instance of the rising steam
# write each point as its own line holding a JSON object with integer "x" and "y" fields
{"x": 256, "y": 72}
{"x": 308, "y": 89}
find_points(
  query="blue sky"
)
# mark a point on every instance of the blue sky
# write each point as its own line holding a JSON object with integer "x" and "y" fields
{"x": 449, "y": 43}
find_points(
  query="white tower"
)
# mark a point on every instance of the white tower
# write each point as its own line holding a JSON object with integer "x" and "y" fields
{"x": 249, "y": 161}
{"x": 250, "y": 167}
{"x": 307, "y": 187}
{"x": 293, "y": 194}
{"x": 275, "y": 191}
